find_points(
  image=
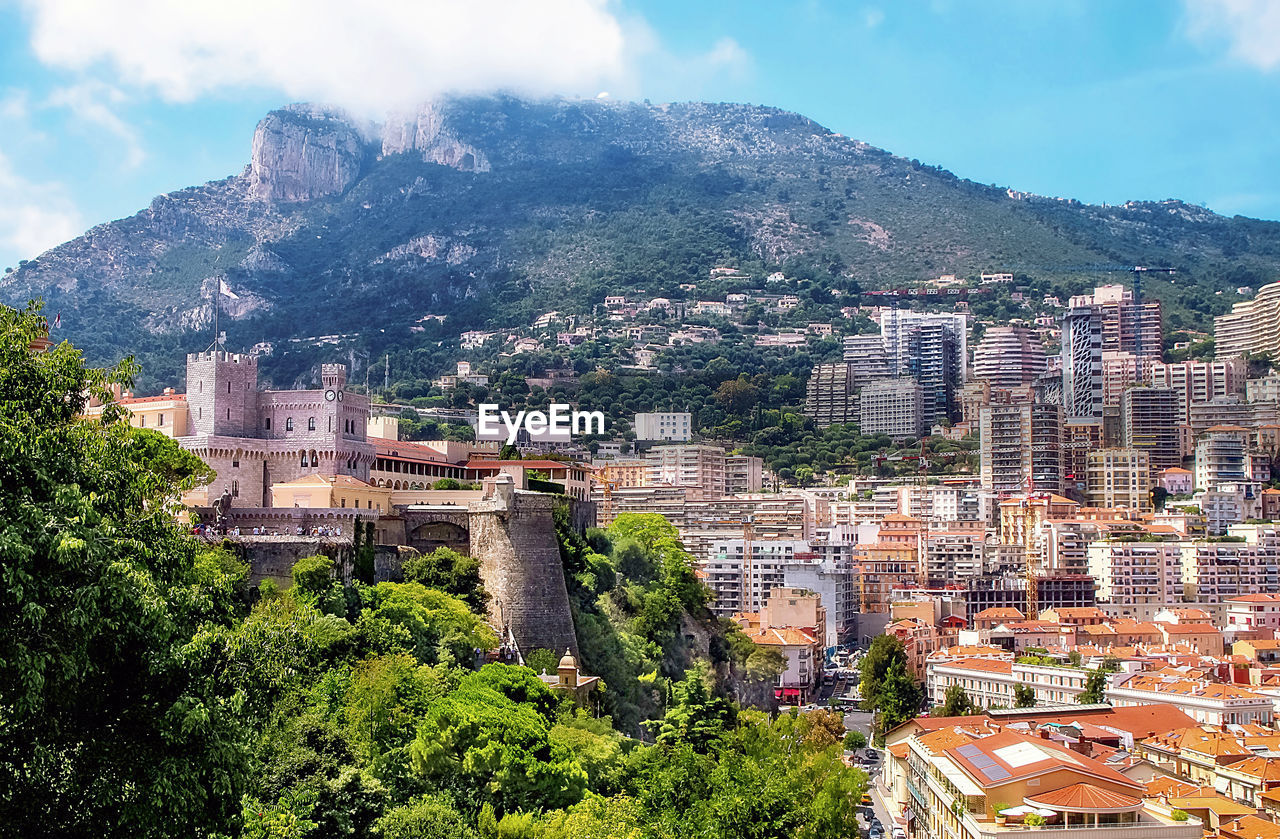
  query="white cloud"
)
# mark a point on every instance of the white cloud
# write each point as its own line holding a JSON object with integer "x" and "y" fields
{"x": 366, "y": 57}
{"x": 1250, "y": 28}
{"x": 92, "y": 103}
{"x": 33, "y": 216}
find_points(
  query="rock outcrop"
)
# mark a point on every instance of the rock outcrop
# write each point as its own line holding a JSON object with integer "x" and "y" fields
{"x": 302, "y": 153}
{"x": 425, "y": 132}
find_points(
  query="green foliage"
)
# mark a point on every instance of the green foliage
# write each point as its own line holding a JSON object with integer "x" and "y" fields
{"x": 855, "y": 740}
{"x": 108, "y": 725}
{"x": 885, "y": 684}
{"x": 956, "y": 703}
{"x": 430, "y": 624}
{"x": 542, "y": 661}
{"x": 1095, "y": 688}
{"x": 313, "y": 575}
{"x": 697, "y": 719}
{"x": 1178, "y": 815}
{"x": 1024, "y": 696}
{"x": 426, "y": 818}
{"x": 451, "y": 572}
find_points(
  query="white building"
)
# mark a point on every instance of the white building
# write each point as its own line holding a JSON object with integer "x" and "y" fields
{"x": 675, "y": 426}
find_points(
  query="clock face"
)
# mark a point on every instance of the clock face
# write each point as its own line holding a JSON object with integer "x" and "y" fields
{"x": 339, "y": 396}
{"x": 328, "y": 395}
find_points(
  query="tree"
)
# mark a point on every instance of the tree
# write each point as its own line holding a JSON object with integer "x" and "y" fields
{"x": 855, "y": 740}
{"x": 1095, "y": 688}
{"x": 885, "y": 650}
{"x": 1159, "y": 495}
{"x": 108, "y": 728}
{"x": 451, "y": 572}
{"x": 900, "y": 698}
{"x": 696, "y": 718}
{"x": 313, "y": 575}
{"x": 956, "y": 703}
{"x": 1024, "y": 696}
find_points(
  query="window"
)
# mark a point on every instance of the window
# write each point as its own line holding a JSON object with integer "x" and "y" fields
{"x": 235, "y": 463}
{"x": 228, "y": 387}
{"x": 160, "y": 421}
{"x": 235, "y": 489}
{"x": 199, "y": 413}
{"x": 142, "y": 421}
{"x": 311, "y": 423}
{"x": 200, "y": 386}
{"x": 266, "y": 423}
{"x": 314, "y": 461}
{"x": 288, "y": 424}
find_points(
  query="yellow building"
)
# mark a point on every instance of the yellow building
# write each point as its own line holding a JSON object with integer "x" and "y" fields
{"x": 622, "y": 473}
{"x": 324, "y": 491}
{"x": 166, "y": 413}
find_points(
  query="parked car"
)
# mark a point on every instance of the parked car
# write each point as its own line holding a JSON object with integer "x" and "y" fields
{"x": 898, "y": 833}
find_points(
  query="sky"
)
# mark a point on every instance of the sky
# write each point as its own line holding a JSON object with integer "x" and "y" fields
{"x": 105, "y": 105}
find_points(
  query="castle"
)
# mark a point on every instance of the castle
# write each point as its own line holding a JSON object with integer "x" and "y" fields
{"x": 255, "y": 438}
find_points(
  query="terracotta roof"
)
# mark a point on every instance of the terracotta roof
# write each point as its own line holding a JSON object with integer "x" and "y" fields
{"x": 1250, "y": 827}
{"x": 1176, "y": 470}
{"x": 985, "y": 665}
{"x": 898, "y": 750}
{"x": 1008, "y": 757}
{"x": 1254, "y": 598}
{"x": 331, "y": 480}
{"x": 937, "y": 742}
{"x": 1214, "y": 801}
{"x": 1262, "y": 768}
{"x": 140, "y": 400}
{"x": 1169, "y": 785}
{"x": 1085, "y": 798}
{"x": 1202, "y": 740}
{"x": 1078, "y": 612}
{"x": 784, "y": 636}
{"x": 999, "y": 612}
{"x": 527, "y": 464}
{"x": 407, "y": 450}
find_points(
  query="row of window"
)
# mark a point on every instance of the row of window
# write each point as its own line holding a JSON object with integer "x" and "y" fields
{"x": 348, "y": 426}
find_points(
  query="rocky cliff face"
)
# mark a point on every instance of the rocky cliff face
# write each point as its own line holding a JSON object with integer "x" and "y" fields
{"x": 426, "y": 134}
{"x": 300, "y": 154}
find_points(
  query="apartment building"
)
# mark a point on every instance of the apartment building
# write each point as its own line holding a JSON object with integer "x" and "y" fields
{"x": 1149, "y": 420}
{"x": 1196, "y": 382}
{"x": 1021, "y": 447}
{"x": 1119, "y": 478}
{"x": 991, "y": 683}
{"x": 1255, "y": 611}
{"x": 1127, "y": 325}
{"x": 672, "y": 426}
{"x": 1082, "y": 362}
{"x": 1251, "y": 327}
{"x": 1009, "y": 357}
{"x": 700, "y": 470}
{"x": 952, "y": 782}
{"x": 894, "y": 407}
{"x": 743, "y": 474}
{"x": 831, "y": 397}
{"x": 1132, "y": 574}
{"x": 1204, "y": 702}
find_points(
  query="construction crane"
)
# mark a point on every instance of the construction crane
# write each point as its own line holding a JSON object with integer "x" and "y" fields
{"x": 1135, "y": 270}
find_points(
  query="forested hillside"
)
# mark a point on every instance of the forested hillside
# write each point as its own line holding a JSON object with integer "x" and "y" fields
{"x": 492, "y": 210}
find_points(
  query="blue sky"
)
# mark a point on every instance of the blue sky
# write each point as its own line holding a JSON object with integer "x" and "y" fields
{"x": 104, "y": 106}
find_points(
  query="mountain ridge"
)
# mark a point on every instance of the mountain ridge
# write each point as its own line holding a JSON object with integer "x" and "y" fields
{"x": 486, "y": 208}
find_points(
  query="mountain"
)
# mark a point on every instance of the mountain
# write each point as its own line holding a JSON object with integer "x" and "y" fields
{"x": 492, "y": 209}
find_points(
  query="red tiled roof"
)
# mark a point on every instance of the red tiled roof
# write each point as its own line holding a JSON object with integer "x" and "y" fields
{"x": 1084, "y": 798}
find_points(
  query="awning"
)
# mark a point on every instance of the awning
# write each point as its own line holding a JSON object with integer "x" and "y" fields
{"x": 790, "y": 691}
